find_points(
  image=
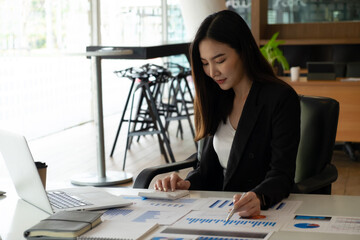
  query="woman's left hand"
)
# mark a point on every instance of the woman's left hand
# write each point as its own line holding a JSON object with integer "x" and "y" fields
{"x": 248, "y": 206}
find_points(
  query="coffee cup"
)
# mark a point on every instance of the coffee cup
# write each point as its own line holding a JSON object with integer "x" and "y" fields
{"x": 42, "y": 167}
{"x": 294, "y": 73}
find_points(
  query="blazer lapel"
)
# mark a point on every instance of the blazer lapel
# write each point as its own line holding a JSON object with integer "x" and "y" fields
{"x": 245, "y": 126}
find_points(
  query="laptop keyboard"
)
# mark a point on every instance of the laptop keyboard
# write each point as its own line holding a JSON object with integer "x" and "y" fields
{"x": 61, "y": 200}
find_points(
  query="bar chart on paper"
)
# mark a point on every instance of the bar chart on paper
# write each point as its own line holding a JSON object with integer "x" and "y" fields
{"x": 231, "y": 223}
{"x": 216, "y": 220}
{"x": 217, "y": 204}
{"x": 164, "y": 204}
{"x": 161, "y": 217}
{"x": 117, "y": 212}
{"x": 143, "y": 215}
{"x": 328, "y": 224}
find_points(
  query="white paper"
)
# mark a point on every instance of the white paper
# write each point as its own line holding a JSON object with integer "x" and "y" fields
{"x": 133, "y": 215}
{"x": 225, "y": 204}
{"x": 156, "y": 194}
{"x": 216, "y": 221}
{"x": 118, "y": 230}
{"x": 326, "y": 224}
{"x": 181, "y": 204}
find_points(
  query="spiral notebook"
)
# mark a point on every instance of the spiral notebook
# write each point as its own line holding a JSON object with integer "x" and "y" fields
{"x": 118, "y": 230}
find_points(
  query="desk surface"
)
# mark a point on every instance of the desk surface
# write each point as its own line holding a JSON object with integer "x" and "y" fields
{"x": 17, "y": 215}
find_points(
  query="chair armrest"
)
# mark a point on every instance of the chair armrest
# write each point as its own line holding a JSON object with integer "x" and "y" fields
{"x": 327, "y": 176}
{"x": 144, "y": 178}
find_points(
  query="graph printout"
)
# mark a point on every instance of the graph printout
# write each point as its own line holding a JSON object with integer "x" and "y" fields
{"x": 327, "y": 224}
{"x": 216, "y": 221}
{"x": 285, "y": 208}
{"x": 203, "y": 234}
{"x": 181, "y": 204}
{"x": 162, "y": 217}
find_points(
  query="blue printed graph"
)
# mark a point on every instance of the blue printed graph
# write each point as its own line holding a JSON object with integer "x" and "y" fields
{"x": 172, "y": 205}
{"x": 244, "y": 223}
{"x": 219, "y": 238}
{"x": 221, "y": 204}
{"x": 184, "y": 200}
{"x": 281, "y": 205}
{"x": 149, "y": 215}
{"x": 307, "y": 225}
{"x": 117, "y": 211}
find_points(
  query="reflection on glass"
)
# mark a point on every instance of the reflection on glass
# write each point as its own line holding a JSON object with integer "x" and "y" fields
{"x": 242, "y": 7}
{"x": 175, "y": 22}
{"x": 304, "y": 11}
{"x": 137, "y": 22}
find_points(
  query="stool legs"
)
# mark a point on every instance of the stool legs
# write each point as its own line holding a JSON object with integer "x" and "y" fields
{"x": 157, "y": 125}
{"x": 122, "y": 118}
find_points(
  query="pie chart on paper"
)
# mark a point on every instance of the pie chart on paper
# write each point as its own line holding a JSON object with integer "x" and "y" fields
{"x": 307, "y": 225}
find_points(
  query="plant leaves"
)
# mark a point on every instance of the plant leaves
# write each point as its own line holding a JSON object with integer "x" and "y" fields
{"x": 272, "y": 53}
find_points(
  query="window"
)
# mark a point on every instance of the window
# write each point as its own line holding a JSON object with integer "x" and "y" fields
{"x": 45, "y": 83}
{"x": 306, "y": 11}
{"x": 44, "y": 86}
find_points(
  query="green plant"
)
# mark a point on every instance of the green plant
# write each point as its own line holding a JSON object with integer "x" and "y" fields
{"x": 272, "y": 53}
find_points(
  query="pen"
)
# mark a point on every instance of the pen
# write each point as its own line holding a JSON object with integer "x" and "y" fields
{"x": 231, "y": 213}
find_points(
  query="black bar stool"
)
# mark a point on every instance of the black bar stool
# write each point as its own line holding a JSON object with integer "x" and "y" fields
{"x": 180, "y": 103}
{"x": 147, "y": 115}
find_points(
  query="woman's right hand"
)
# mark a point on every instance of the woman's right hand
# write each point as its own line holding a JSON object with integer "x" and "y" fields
{"x": 172, "y": 183}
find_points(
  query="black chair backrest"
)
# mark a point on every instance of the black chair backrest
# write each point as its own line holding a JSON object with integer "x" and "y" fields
{"x": 319, "y": 119}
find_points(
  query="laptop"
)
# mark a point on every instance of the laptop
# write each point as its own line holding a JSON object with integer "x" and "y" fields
{"x": 24, "y": 174}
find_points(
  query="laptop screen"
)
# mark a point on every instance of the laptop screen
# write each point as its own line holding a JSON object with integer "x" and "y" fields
{"x": 23, "y": 172}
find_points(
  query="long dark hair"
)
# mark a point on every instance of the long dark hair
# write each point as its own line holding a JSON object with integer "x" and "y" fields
{"x": 212, "y": 104}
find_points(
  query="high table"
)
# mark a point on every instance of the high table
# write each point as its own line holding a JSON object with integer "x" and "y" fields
{"x": 97, "y": 53}
{"x": 17, "y": 215}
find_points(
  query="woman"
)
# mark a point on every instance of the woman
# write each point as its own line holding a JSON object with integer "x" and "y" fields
{"x": 248, "y": 118}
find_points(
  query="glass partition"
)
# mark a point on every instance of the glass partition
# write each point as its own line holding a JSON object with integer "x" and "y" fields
{"x": 242, "y": 7}
{"x": 308, "y": 11}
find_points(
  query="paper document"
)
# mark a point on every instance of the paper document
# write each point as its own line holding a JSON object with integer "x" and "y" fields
{"x": 267, "y": 222}
{"x": 180, "y": 204}
{"x": 156, "y": 194}
{"x": 353, "y": 79}
{"x": 203, "y": 234}
{"x": 223, "y": 204}
{"x": 133, "y": 215}
{"x": 326, "y": 224}
{"x": 118, "y": 230}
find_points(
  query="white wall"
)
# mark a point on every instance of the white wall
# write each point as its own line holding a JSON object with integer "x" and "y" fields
{"x": 195, "y": 11}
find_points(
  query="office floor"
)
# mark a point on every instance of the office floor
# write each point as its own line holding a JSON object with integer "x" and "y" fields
{"x": 73, "y": 152}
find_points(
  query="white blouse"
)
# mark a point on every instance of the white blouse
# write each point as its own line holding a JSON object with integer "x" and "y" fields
{"x": 222, "y": 142}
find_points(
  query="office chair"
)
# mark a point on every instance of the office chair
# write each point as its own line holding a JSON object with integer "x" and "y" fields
{"x": 314, "y": 171}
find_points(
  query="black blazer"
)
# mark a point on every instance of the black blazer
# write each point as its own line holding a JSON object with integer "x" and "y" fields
{"x": 263, "y": 153}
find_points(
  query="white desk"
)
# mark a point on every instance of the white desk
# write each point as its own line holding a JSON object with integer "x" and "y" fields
{"x": 17, "y": 215}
